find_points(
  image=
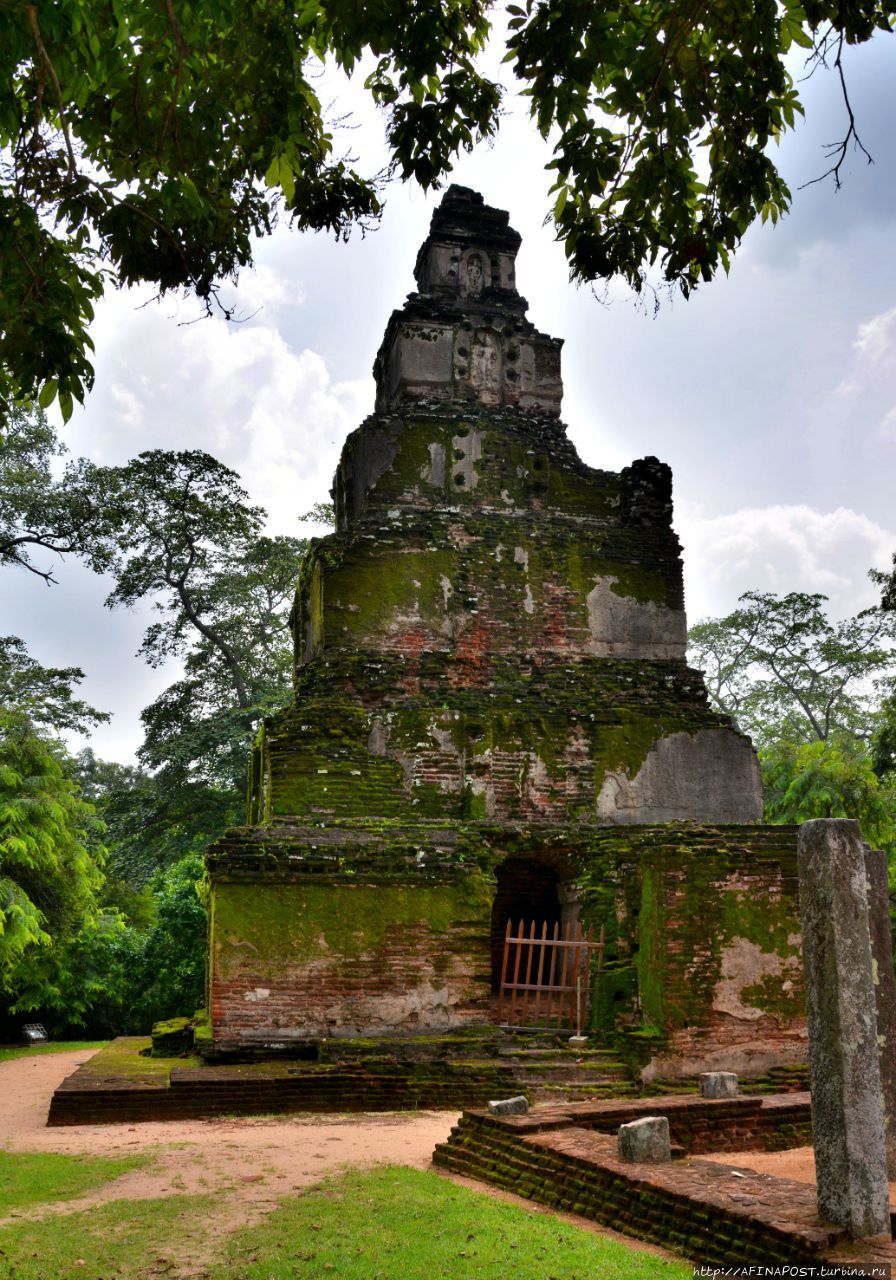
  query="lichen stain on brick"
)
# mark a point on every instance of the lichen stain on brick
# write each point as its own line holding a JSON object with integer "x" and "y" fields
{"x": 744, "y": 965}
{"x": 490, "y": 669}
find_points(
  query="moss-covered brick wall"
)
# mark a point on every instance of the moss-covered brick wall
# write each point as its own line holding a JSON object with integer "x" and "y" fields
{"x": 702, "y": 961}
{"x": 534, "y": 744}
{"x": 494, "y": 516}
{"x": 501, "y": 740}
{"x": 703, "y": 965}
{"x": 496, "y": 631}
{"x": 309, "y": 960}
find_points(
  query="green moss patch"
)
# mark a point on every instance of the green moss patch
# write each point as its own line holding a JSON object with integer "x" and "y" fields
{"x": 300, "y": 923}
{"x": 640, "y": 582}
{"x": 127, "y": 1058}
{"x": 172, "y": 1037}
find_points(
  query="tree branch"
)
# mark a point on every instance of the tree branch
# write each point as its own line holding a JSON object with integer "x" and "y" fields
{"x": 840, "y": 149}
{"x": 31, "y": 10}
{"x": 178, "y": 584}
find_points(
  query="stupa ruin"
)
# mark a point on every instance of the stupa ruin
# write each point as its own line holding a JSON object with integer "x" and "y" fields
{"x": 494, "y": 721}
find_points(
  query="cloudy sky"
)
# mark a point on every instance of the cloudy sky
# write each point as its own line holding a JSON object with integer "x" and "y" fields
{"x": 771, "y": 393}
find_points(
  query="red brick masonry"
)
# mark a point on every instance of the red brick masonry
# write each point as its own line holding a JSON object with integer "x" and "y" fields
{"x": 712, "y": 1213}
{"x": 95, "y": 1094}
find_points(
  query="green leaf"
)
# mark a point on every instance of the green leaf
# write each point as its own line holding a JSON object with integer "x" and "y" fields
{"x": 47, "y": 393}
{"x": 287, "y": 179}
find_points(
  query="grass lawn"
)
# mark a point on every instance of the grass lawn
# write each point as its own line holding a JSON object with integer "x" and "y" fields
{"x": 123, "y": 1240}
{"x": 56, "y": 1046}
{"x": 389, "y": 1224}
{"x": 27, "y": 1179}
{"x": 403, "y": 1224}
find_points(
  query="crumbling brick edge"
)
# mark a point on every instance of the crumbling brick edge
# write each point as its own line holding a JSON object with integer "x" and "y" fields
{"x": 712, "y": 1213}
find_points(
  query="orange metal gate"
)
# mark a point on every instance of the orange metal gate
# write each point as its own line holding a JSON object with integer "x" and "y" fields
{"x": 546, "y": 979}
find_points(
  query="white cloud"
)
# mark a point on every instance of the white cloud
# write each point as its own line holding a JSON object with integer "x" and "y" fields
{"x": 241, "y": 392}
{"x": 781, "y": 549}
{"x": 874, "y": 349}
{"x": 875, "y": 339}
{"x": 887, "y": 429}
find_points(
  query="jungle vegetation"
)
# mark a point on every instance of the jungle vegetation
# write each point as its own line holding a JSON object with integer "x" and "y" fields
{"x": 817, "y": 698}
{"x": 102, "y": 922}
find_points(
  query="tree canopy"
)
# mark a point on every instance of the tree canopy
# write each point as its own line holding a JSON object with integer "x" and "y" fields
{"x": 49, "y": 875}
{"x": 42, "y": 514}
{"x": 832, "y": 779}
{"x": 783, "y": 670}
{"x": 190, "y": 541}
{"x": 101, "y": 915}
{"x": 45, "y": 695}
{"x": 887, "y": 583}
{"x": 151, "y": 143}
{"x": 813, "y": 695}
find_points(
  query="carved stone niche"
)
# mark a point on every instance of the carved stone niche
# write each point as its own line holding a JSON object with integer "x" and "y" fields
{"x": 453, "y": 270}
{"x": 479, "y": 363}
{"x": 487, "y": 366}
{"x": 470, "y": 251}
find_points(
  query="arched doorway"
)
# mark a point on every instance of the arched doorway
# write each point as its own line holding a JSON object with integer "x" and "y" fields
{"x": 542, "y": 960}
{"x": 526, "y": 890}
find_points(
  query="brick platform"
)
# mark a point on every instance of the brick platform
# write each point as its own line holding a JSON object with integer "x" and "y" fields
{"x": 566, "y": 1158}
{"x": 190, "y": 1091}
{"x": 118, "y": 1085}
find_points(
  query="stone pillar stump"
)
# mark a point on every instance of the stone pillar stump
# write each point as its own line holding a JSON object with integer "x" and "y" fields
{"x": 847, "y": 1105}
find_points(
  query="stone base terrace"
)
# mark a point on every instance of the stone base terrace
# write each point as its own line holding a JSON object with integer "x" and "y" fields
{"x": 713, "y": 1213}
{"x": 121, "y": 1084}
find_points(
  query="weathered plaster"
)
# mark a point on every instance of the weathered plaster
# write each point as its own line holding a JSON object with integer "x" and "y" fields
{"x": 744, "y": 964}
{"x": 710, "y": 776}
{"x": 623, "y": 627}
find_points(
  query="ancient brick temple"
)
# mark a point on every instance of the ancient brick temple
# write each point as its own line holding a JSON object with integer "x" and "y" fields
{"x": 494, "y": 720}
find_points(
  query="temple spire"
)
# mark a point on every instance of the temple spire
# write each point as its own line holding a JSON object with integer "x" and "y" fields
{"x": 464, "y": 335}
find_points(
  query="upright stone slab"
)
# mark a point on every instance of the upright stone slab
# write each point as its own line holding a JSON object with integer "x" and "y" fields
{"x": 847, "y": 1107}
{"x": 646, "y": 1141}
{"x": 885, "y": 991}
{"x": 718, "y": 1084}
{"x": 518, "y": 1106}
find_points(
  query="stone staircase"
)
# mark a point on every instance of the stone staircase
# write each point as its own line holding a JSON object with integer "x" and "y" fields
{"x": 537, "y": 1062}
{"x": 547, "y": 1069}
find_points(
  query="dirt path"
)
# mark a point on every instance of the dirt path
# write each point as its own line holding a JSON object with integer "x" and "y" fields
{"x": 797, "y": 1164}
{"x": 249, "y": 1164}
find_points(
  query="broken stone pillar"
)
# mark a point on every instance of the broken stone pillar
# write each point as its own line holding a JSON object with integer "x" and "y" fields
{"x": 718, "y": 1084}
{"x": 847, "y": 1107}
{"x": 517, "y": 1106}
{"x": 885, "y": 992}
{"x": 646, "y": 1141}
